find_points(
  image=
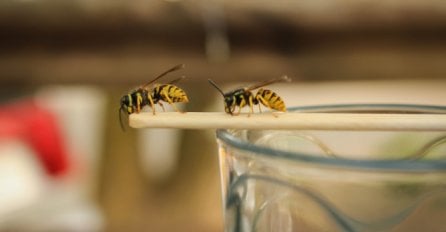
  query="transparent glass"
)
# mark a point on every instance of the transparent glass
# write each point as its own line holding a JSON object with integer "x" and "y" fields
{"x": 280, "y": 180}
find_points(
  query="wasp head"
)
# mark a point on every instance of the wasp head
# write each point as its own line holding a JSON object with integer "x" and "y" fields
{"x": 229, "y": 104}
{"x": 228, "y": 98}
{"x": 126, "y": 105}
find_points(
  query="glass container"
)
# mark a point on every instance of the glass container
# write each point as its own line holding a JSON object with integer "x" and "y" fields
{"x": 325, "y": 180}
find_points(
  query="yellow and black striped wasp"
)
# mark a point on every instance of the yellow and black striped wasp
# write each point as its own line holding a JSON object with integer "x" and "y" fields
{"x": 151, "y": 94}
{"x": 244, "y": 97}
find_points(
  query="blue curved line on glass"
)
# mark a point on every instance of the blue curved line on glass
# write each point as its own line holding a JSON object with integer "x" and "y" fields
{"x": 242, "y": 181}
{"x": 345, "y": 222}
{"x": 371, "y": 165}
{"x": 384, "y": 165}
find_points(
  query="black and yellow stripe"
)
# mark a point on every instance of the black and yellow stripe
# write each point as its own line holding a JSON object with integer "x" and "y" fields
{"x": 270, "y": 99}
{"x": 169, "y": 93}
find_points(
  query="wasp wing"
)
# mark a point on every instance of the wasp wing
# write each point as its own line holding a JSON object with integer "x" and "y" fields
{"x": 269, "y": 82}
{"x": 176, "y": 80}
{"x": 175, "y": 68}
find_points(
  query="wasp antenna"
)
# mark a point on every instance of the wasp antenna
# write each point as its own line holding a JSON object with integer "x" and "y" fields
{"x": 120, "y": 119}
{"x": 215, "y": 85}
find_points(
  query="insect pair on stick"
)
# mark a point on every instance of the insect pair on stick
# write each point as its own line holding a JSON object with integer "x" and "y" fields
{"x": 153, "y": 93}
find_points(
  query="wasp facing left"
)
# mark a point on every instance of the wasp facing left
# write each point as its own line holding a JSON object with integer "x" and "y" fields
{"x": 151, "y": 94}
{"x": 244, "y": 97}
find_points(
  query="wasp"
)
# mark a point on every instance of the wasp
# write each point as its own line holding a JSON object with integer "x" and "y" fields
{"x": 151, "y": 94}
{"x": 244, "y": 97}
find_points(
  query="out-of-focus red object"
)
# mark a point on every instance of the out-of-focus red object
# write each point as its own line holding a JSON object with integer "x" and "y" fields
{"x": 37, "y": 127}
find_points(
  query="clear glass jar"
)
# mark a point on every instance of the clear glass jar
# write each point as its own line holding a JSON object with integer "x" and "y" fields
{"x": 322, "y": 180}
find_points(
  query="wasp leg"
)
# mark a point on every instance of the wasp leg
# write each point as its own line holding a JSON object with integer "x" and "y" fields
{"x": 251, "y": 106}
{"x": 234, "y": 105}
{"x": 258, "y": 102}
{"x": 238, "y": 112}
{"x": 265, "y": 103}
{"x": 162, "y": 106}
{"x": 152, "y": 104}
{"x": 232, "y": 109}
{"x": 138, "y": 103}
{"x": 241, "y": 105}
{"x": 166, "y": 96}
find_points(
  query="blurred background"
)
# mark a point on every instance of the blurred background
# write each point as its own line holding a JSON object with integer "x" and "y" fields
{"x": 65, "y": 164}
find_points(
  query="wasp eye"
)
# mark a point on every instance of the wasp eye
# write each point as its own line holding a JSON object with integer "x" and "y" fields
{"x": 228, "y": 104}
{"x": 228, "y": 100}
{"x": 124, "y": 100}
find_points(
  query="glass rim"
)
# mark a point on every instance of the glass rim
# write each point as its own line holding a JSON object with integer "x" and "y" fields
{"x": 408, "y": 165}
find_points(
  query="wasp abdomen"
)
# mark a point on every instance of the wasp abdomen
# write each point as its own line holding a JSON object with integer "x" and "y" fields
{"x": 270, "y": 99}
{"x": 170, "y": 93}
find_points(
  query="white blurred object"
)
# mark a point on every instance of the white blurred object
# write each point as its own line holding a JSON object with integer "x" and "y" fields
{"x": 38, "y": 202}
{"x": 22, "y": 178}
{"x": 81, "y": 112}
{"x": 217, "y": 44}
{"x": 67, "y": 210}
{"x": 159, "y": 150}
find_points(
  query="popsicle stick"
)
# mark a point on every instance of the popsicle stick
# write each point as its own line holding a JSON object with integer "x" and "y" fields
{"x": 291, "y": 120}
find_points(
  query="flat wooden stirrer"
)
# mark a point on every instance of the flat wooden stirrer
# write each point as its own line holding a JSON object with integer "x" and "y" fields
{"x": 291, "y": 120}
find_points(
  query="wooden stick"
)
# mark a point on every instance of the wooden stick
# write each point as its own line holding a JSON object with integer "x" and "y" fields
{"x": 291, "y": 120}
